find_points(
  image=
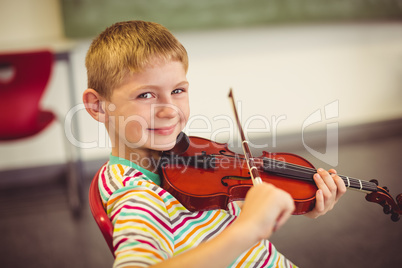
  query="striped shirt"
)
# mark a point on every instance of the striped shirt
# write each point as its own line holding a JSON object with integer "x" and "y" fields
{"x": 150, "y": 225}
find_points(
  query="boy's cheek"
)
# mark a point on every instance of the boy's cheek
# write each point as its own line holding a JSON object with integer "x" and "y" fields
{"x": 134, "y": 132}
{"x": 127, "y": 131}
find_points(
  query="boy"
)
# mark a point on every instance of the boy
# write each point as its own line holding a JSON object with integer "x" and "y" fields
{"x": 137, "y": 87}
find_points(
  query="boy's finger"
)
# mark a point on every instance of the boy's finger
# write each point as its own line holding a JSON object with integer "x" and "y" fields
{"x": 341, "y": 187}
{"x": 328, "y": 180}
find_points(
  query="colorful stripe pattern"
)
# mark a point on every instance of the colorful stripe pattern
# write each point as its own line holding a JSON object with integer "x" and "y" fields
{"x": 150, "y": 225}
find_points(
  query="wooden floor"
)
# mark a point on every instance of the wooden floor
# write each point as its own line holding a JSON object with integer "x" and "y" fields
{"x": 38, "y": 230}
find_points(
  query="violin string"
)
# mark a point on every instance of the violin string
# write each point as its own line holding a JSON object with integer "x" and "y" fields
{"x": 295, "y": 167}
{"x": 299, "y": 168}
{"x": 311, "y": 171}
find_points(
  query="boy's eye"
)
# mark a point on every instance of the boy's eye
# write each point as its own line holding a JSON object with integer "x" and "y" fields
{"x": 145, "y": 96}
{"x": 177, "y": 91}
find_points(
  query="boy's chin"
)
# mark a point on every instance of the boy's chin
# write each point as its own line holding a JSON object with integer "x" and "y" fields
{"x": 164, "y": 144}
{"x": 154, "y": 146}
{"x": 162, "y": 148}
{"x": 160, "y": 145}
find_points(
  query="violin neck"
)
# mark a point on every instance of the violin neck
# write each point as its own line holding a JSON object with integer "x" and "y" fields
{"x": 360, "y": 185}
{"x": 304, "y": 173}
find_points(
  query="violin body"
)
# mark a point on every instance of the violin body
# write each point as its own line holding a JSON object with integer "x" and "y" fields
{"x": 208, "y": 176}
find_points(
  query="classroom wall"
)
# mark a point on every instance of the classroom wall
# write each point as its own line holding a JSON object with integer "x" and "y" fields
{"x": 282, "y": 76}
{"x": 27, "y": 20}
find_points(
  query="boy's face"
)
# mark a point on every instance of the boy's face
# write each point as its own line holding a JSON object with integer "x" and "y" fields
{"x": 149, "y": 109}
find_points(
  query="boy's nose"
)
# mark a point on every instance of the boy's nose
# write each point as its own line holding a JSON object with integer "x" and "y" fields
{"x": 166, "y": 111}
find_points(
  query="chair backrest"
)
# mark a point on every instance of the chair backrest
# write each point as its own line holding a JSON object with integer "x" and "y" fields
{"x": 23, "y": 80}
{"x": 99, "y": 213}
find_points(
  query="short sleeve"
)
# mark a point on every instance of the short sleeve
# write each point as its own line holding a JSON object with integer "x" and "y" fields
{"x": 142, "y": 231}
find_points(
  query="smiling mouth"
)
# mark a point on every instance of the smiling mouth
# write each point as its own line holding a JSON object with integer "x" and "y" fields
{"x": 163, "y": 130}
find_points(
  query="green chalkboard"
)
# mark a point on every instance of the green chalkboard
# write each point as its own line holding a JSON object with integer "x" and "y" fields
{"x": 85, "y": 18}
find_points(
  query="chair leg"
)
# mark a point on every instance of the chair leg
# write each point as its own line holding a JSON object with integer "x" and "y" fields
{"x": 74, "y": 187}
{"x": 75, "y": 173}
{"x": 74, "y": 176}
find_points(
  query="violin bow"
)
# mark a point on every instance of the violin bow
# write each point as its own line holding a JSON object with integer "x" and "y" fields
{"x": 375, "y": 194}
{"x": 255, "y": 174}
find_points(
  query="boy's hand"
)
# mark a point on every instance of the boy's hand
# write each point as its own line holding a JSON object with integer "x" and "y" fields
{"x": 330, "y": 189}
{"x": 265, "y": 209}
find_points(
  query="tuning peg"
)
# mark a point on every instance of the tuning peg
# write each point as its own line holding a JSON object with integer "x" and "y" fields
{"x": 399, "y": 200}
{"x": 395, "y": 217}
{"x": 386, "y": 188}
{"x": 387, "y": 209}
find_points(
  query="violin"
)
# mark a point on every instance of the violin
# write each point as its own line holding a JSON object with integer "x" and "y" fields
{"x": 205, "y": 175}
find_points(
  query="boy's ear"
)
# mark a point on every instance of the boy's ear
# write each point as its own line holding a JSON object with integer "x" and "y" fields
{"x": 93, "y": 104}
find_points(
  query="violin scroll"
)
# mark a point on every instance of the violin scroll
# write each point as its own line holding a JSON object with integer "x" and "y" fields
{"x": 384, "y": 199}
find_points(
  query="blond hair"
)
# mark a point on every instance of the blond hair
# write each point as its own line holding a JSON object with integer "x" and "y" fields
{"x": 129, "y": 47}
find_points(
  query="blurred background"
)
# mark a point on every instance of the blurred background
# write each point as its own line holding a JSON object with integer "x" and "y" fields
{"x": 322, "y": 79}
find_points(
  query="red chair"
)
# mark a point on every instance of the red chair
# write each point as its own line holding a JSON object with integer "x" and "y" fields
{"x": 20, "y": 94}
{"x": 23, "y": 80}
{"x": 99, "y": 213}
